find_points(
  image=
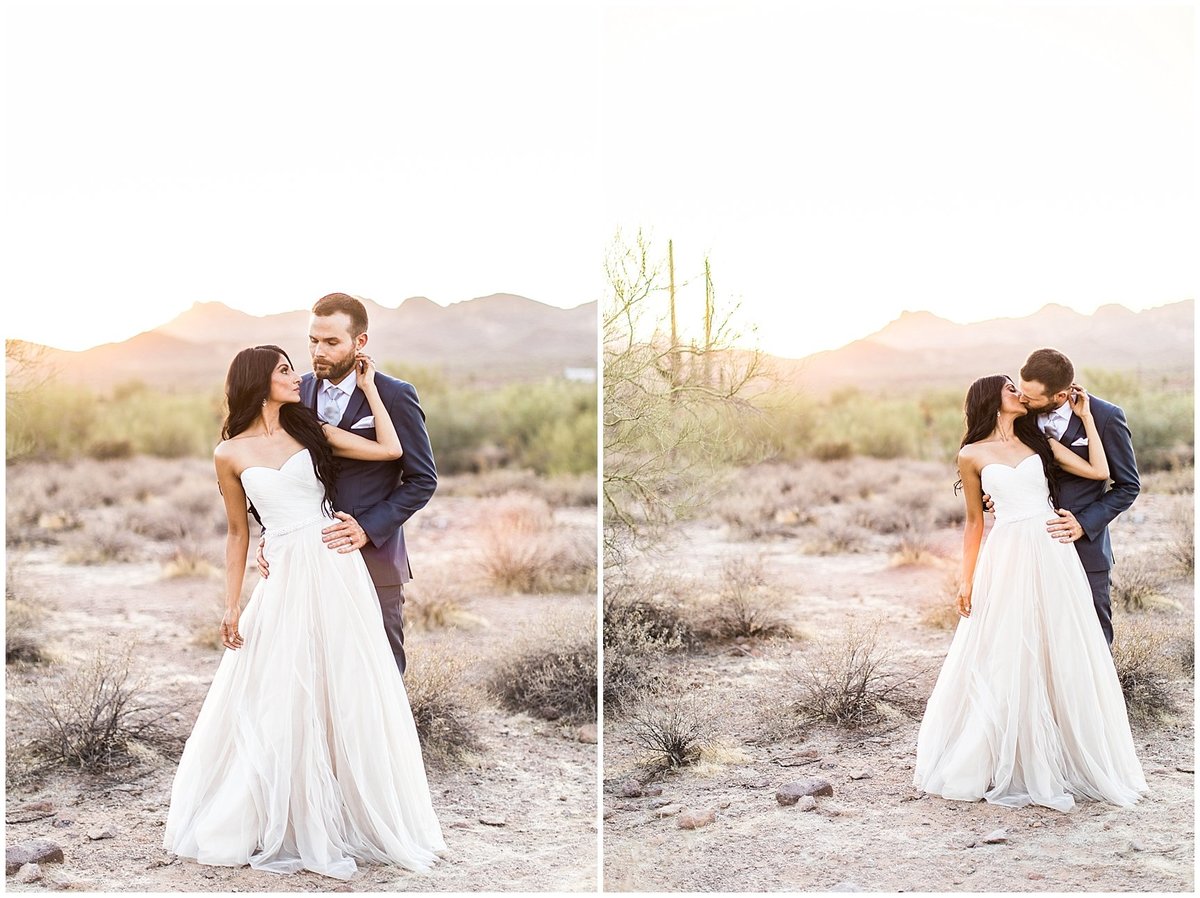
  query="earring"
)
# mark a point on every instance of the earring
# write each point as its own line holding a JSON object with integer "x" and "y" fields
{"x": 264, "y": 403}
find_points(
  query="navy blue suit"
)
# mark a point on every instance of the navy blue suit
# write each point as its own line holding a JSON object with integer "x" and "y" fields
{"x": 382, "y": 495}
{"x": 1094, "y": 504}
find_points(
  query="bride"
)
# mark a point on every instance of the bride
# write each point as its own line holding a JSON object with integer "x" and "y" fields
{"x": 304, "y": 755}
{"x": 1027, "y": 707}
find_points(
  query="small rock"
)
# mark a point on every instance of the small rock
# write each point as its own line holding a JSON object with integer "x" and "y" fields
{"x": 792, "y": 792}
{"x": 96, "y": 833}
{"x": 658, "y": 803}
{"x": 696, "y": 819}
{"x": 608, "y": 812}
{"x": 1186, "y": 769}
{"x": 653, "y": 790}
{"x": 669, "y": 810}
{"x": 861, "y": 775}
{"x": 996, "y": 837}
{"x": 39, "y": 807}
{"x": 493, "y": 821}
{"x": 725, "y": 804}
{"x": 39, "y": 851}
{"x": 630, "y": 789}
{"x": 828, "y": 765}
{"x": 808, "y": 753}
{"x": 1035, "y": 876}
{"x": 586, "y": 733}
{"x": 63, "y": 822}
{"x": 847, "y": 887}
{"x": 29, "y": 873}
{"x": 807, "y": 803}
{"x": 1135, "y": 845}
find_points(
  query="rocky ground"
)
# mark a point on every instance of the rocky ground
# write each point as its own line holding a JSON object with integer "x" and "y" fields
{"x": 824, "y": 808}
{"x": 518, "y": 811}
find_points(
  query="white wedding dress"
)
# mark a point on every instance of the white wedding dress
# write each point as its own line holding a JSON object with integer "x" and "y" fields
{"x": 305, "y": 754}
{"x": 1027, "y": 707}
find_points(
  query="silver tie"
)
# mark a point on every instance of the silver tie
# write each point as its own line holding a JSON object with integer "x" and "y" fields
{"x": 329, "y": 412}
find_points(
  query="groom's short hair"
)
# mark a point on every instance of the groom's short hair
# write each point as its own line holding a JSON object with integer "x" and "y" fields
{"x": 343, "y": 302}
{"x": 1050, "y": 368}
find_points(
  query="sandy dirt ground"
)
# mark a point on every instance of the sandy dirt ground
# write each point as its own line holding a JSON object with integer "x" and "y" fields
{"x": 876, "y": 832}
{"x": 532, "y": 781}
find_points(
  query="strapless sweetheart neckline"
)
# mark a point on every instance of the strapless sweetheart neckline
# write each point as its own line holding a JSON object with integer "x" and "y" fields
{"x": 1010, "y": 467}
{"x": 281, "y": 467}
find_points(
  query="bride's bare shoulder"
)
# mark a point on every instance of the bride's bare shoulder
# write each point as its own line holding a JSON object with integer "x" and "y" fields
{"x": 970, "y": 455}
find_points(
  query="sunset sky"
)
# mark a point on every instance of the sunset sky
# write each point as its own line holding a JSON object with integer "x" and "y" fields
{"x": 843, "y": 162}
{"x": 840, "y": 162}
{"x": 262, "y": 154}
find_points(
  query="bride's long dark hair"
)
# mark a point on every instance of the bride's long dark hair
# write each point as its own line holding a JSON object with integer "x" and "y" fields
{"x": 981, "y": 407}
{"x": 247, "y": 386}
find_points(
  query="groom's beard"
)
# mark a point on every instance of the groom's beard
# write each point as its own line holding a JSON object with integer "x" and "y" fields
{"x": 337, "y": 372}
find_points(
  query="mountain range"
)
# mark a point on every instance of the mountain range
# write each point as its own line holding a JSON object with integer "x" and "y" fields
{"x": 919, "y": 349}
{"x": 488, "y": 340}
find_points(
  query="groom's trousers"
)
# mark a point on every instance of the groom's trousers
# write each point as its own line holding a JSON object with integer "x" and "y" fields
{"x": 391, "y": 602}
{"x": 1099, "y": 581}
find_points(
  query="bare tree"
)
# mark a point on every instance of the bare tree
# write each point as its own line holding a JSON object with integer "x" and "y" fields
{"x": 670, "y": 426}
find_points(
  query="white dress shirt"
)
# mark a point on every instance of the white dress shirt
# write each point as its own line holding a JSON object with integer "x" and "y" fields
{"x": 346, "y": 387}
{"x": 1054, "y": 424}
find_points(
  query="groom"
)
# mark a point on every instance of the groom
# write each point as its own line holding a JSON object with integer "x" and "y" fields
{"x": 374, "y": 498}
{"x": 1088, "y": 506}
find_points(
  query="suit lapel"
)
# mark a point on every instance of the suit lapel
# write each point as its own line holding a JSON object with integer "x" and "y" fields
{"x": 354, "y": 409}
{"x": 308, "y": 391}
{"x": 1074, "y": 430}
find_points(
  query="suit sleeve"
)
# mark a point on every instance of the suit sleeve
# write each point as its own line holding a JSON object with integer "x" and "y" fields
{"x": 418, "y": 478}
{"x": 1118, "y": 447}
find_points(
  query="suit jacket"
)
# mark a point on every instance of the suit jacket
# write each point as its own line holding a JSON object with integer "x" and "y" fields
{"x": 382, "y": 495}
{"x": 1093, "y": 503}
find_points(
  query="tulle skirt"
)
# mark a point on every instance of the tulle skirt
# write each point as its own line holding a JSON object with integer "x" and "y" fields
{"x": 1027, "y": 707}
{"x": 305, "y": 754}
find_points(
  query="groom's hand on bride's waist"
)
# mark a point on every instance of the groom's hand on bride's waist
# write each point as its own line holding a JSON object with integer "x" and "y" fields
{"x": 1064, "y": 528}
{"x": 346, "y": 535}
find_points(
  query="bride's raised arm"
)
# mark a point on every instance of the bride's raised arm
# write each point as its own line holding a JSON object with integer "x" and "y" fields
{"x": 386, "y": 444}
{"x": 1096, "y": 466}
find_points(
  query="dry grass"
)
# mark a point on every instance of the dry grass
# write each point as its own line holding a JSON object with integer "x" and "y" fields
{"x": 852, "y": 682}
{"x": 916, "y": 545}
{"x": 521, "y": 551}
{"x": 747, "y": 606}
{"x": 940, "y": 613}
{"x": 838, "y": 538}
{"x": 444, "y": 706}
{"x": 98, "y": 717}
{"x": 1147, "y": 670}
{"x": 552, "y": 676}
{"x": 1139, "y": 583}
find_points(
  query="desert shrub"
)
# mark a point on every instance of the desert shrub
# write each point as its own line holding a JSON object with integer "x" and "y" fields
{"x": 1145, "y": 668}
{"x": 553, "y": 677}
{"x": 24, "y": 641}
{"x": 852, "y": 682}
{"x": 837, "y": 538}
{"x": 1172, "y": 481}
{"x": 670, "y": 730}
{"x": 746, "y": 605}
{"x": 940, "y": 612}
{"x": 634, "y": 619}
{"x": 100, "y": 544}
{"x": 559, "y": 490}
{"x": 1138, "y": 583}
{"x": 1183, "y": 538}
{"x": 97, "y": 717}
{"x": 915, "y": 543}
{"x": 190, "y": 559}
{"x": 444, "y": 707}
{"x": 434, "y": 601}
{"x": 520, "y": 551}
